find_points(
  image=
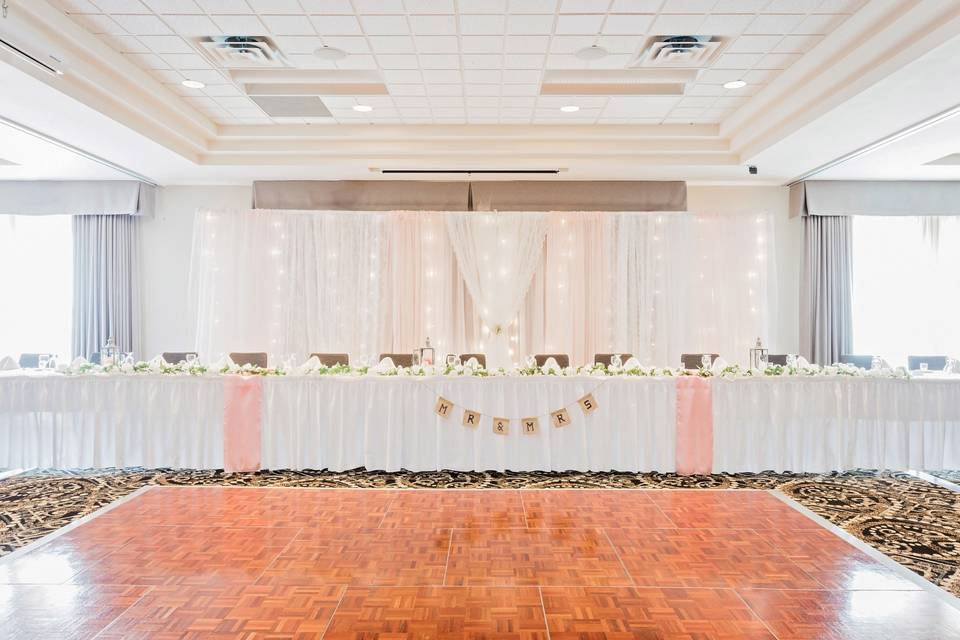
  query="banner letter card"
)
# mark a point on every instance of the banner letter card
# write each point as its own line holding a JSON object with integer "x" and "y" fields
{"x": 501, "y": 426}
{"x": 471, "y": 418}
{"x": 587, "y": 404}
{"x": 560, "y": 418}
{"x": 443, "y": 408}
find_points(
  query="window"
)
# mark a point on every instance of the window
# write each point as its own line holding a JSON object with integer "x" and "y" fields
{"x": 36, "y": 285}
{"x": 906, "y": 286}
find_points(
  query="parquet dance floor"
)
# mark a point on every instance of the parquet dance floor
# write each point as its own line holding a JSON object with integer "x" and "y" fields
{"x": 230, "y": 562}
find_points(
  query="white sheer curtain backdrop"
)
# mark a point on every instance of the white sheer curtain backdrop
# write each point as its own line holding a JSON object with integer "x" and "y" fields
{"x": 497, "y": 254}
{"x": 652, "y": 284}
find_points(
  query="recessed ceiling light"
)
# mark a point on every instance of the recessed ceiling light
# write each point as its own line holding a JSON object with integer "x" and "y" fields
{"x": 734, "y": 84}
{"x": 193, "y": 84}
{"x": 594, "y": 52}
{"x": 363, "y": 108}
{"x": 570, "y": 108}
{"x": 330, "y": 53}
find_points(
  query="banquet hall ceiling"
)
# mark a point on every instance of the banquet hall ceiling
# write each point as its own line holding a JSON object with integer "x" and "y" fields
{"x": 479, "y": 84}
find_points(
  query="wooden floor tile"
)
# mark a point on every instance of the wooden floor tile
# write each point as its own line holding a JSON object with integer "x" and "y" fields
{"x": 586, "y": 508}
{"x": 61, "y": 612}
{"x": 729, "y": 510}
{"x": 455, "y": 509}
{"x": 855, "y": 615}
{"x": 362, "y": 557}
{"x": 622, "y": 613}
{"x": 706, "y": 558}
{"x": 533, "y": 557}
{"x": 439, "y": 613}
{"x": 241, "y": 612}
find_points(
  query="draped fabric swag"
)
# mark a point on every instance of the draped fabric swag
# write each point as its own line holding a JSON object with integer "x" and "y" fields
{"x": 653, "y": 284}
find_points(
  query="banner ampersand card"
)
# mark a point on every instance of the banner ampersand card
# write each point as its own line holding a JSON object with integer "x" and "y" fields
{"x": 501, "y": 426}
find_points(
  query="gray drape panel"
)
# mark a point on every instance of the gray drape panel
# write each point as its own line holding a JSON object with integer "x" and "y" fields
{"x": 360, "y": 195}
{"x": 106, "y": 283}
{"x": 826, "y": 319}
{"x": 582, "y": 195}
{"x": 77, "y": 197}
{"x": 875, "y": 198}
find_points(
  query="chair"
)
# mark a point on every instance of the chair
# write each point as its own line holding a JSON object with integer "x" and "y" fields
{"x": 863, "y": 362}
{"x": 563, "y": 360}
{"x": 695, "y": 360}
{"x": 604, "y": 358}
{"x": 95, "y": 358}
{"x": 778, "y": 358}
{"x": 481, "y": 358}
{"x": 254, "y": 359}
{"x": 176, "y": 357}
{"x": 399, "y": 359}
{"x": 32, "y": 360}
{"x": 934, "y": 363}
{"x": 332, "y": 359}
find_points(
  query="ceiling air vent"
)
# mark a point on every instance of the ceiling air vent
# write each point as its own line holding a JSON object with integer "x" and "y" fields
{"x": 243, "y": 51}
{"x": 292, "y": 106}
{"x": 678, "y": 51}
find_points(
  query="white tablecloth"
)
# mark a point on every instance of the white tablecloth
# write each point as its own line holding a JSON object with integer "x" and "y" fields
{"x": 835, "y": 423}
{"x": 50, "y": 420}
{"x": 389, "y": 423}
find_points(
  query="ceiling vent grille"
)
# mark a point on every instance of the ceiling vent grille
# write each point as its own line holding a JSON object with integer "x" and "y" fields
{"x": 678, "y": 51}
{"x": 243, "y": 51}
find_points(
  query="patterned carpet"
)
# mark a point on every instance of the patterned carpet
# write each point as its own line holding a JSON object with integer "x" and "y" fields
{"x": 912, "y": 521}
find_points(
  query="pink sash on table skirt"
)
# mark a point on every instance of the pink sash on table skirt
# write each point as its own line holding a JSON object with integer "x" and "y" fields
{"x": 694, "y": 448}
{"x": 242, "y": 396}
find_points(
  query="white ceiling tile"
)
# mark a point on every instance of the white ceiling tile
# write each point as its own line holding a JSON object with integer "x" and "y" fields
{"x": 121, "y": 6}
{"x": 725, "y": 24}
{"x": 438, "y": 44}
{"x": 569, "y": 44}
{"x": 687, "y": 6}
{"x": 565, "y": 61}
{"x": 695, "y": 102}
{"x": 677, "y": 23}
{"x": 378, "y": 6}
{"x": 392, "y": 44}
{"x": 579, "y": 23}
{"x": 617, "y": 61}
{"x": 482, "y": 6}
{"x": 681, "y": 112}
{"x": 339, "y": 102}
{"x": 839, "y": 6}
{"x": 416, "y": 112}
{"x": 192, "y": 25}
{"x": 520, "y": 89}
{"x": 440, "y": 61}
{"x": 739, "y": 6}
{"x": 405, "y": 102}
{"x": 821, "y": 24}
{"x": 727, "y": 102}
{"x": 186, "y": 61}
{"x": 522, "y": 102}
{"x": 437, "y": 25}
{"x": 297, "y": 44}
{"x": 703, "y": 89}
{"x": 327, "y": 6}
{"x": 636, "y": 6}
{"x": 446, "y": 102}
{"x": 523, "y": 61}
{"x": 753, "y": 44}
{"x": 167, "y": 44}
{"x": 378, "y": 102}
{"x": 481, "y": 61}
{"x": 240, "y": 25}
{"x": 222, "y": 90}
{"x": 759, "y": 76}
{"x": 336, "y": 25}
{"x": 718, "y": 76}
{"x": 442, "y": 76}
{"x": 521, "y": 76}
{"x": 791, "y": 6}
{"x": 78, "y": 6}
{"x": 430, "y": 6}
{"x": 482, "y": 44}
{"x": 384, "y": 25}
{"x": 530, "y": 24}
{"x": 168, "y": 76}
{"x": 737, "y": 60}
{"x": 275, "y": 6}
{"x": 310, "y": 61}
{"x": 484, "y": 101}
{"x": 516, "y": 112}
{"x": 125, "y": 44}
{"x": 774, "y": 23}
{"x": 141, "y": 25}
{"x": 224, "y": 6}
{"x": 289, "y": 25}
{"x": 236, "y": 103}
{"x": 584, "y": 6}
{"x": 620, "y": 44}
{"x": 478, "y": 24}
{"x": 208, "y": 76}
{"x": 483, "y": 76}
{"x": 528, "y": 44}
{"x": 797, "y": 44}
{"x": 347, "y": 43}
{"x": 398, "y": 61}
{"x": 778, "y": 60}
{"x": 99, "y": 24}
{"x": 402, "y": 76}
{"x": 483, "y": 90}
{"x": 620, "y": 23}
{"x": 444, "y": 90}
{"x": 533, "y": 6}
{"x": 357, "y": 62}
{"x": 173, "y": 6}
{"x": 407, "y": 90}
{"x": 147, "y": 60}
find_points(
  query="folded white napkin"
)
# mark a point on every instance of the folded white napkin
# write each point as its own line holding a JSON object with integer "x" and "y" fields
{"x": 157, "y": 361}
{"x": 472, "y": 363}
{"x": 77, "y": 362}
{"x": 631, "y": 363}
{"x": 312, "y": 364}
{"x": 719, "y": 364}
{"x": 551, "y": 365}
{"x": 225, "y": 361}
{"x": 386, "y": 366}
{"x": 802, "y": 363}
{"x": 8, "y": 364}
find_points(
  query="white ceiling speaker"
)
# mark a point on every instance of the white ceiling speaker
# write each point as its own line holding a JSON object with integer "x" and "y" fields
{"x": 330, "y": 53}
{"x": 593, "y": 52}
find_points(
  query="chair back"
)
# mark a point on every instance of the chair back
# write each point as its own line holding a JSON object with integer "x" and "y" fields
{"x": 95, "y": 358}
{"x": 32, "y": 360}
{"x": 778, "y": 358}
{"x": 563, "y": 360}
{"x": 864, "y": 362}
{"x": 254, "y": 359}
{"x": 176, "y": 357}
{"x": 604, "y": 358}
{"x": 399, "y": 359}
{"x": 481, "y": 358}
{"x": 695, "y": 360}
{"x": 934, "y": 363}
{"x": 332, "y": 359}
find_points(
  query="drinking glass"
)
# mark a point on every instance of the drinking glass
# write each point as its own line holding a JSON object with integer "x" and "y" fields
{"x": 924, "y": 366}
{"x": 452, "y": 359}
{"x": 791, "y": 360}
{"x": 191, "y": 359}
{"x": 416, "y": 358}
{"x": 52, "y": 363}
{"x": 615, "y": 361}
{"x": 706, "y": 361}
{"x": 531, "y": 361}
{"x": 43, "y": 361}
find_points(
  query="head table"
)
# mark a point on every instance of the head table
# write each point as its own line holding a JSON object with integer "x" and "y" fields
{"x": 689, "y": 424}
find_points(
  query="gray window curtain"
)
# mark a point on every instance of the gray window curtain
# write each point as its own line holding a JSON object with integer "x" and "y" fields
{"x": 826, "y": 319}
{"x": 106, "y": 283}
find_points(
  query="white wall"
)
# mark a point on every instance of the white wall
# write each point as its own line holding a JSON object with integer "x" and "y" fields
{"x": 788, "y": 233}
{"x": 167, "y": 240}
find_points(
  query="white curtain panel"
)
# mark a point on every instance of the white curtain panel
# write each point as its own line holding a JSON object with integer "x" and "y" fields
{"x": 651, "y": 284}
{"x": 497, "y": 254}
